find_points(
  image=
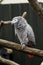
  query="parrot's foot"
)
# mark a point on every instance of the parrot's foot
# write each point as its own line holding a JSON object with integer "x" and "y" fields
{"x": 22, "y": 46}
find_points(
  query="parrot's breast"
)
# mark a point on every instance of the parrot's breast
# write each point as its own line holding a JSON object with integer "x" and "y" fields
{"x": 22, "y": 35}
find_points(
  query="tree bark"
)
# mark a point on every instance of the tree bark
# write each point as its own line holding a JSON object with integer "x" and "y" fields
{"x": 6, "y": 61}
{"x": 16, "y": 46}
{"x": 37, "y": 7}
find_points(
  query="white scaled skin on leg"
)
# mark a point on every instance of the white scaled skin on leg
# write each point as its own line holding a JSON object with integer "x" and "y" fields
{"x": 22, "y": 45}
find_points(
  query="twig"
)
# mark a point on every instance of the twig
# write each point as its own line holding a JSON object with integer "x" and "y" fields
{"x": 24, "y": 14}
{"x": 9, "y": 22}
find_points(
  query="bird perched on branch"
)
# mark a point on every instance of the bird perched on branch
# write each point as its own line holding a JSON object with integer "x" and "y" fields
{"x": 24, "y": 32}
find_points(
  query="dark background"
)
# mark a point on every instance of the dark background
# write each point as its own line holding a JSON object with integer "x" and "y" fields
{"x": 7, "y": 12}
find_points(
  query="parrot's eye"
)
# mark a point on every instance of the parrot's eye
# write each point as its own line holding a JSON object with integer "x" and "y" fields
{"x": 15, "y": 20}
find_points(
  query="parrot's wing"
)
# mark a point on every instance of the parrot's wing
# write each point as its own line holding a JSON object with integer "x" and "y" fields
{"x": 30, "y": 34}
{"x": 31, "y": 37}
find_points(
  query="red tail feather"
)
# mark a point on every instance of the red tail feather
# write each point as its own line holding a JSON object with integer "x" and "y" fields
{"x": 30, "y": 56}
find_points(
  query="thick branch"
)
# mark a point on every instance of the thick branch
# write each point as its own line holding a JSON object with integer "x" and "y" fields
{"x": 16, "y": 46}
{"x": 9, "y": 62}
{"x": 37, "y": 7}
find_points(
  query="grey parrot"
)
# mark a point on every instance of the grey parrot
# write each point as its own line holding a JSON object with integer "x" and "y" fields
{"x": 24, "y": 32}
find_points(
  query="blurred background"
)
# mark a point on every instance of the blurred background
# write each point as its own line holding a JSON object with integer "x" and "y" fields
{"x": 12, "y": 8}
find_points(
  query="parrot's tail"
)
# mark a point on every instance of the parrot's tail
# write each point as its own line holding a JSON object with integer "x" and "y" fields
{"x": 30, "y": 56}
{"x": 30, "y": 44}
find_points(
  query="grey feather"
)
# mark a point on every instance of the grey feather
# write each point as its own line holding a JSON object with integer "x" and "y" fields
{"x": 23, "y": 30}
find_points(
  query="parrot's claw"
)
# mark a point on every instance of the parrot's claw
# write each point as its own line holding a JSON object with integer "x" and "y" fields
{"x": 22, "y": 46}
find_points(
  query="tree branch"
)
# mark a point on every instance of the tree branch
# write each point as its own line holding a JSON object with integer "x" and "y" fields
{"x": 9, "y": 22}
{"x": 37, "y": 7}
{"x": 16, "y": 46}
{"x": 8, "y": 51}
{"x": 6, "y": 61}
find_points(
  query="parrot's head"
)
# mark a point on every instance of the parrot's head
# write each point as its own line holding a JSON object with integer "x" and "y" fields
{"x": 19, "y": 22}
